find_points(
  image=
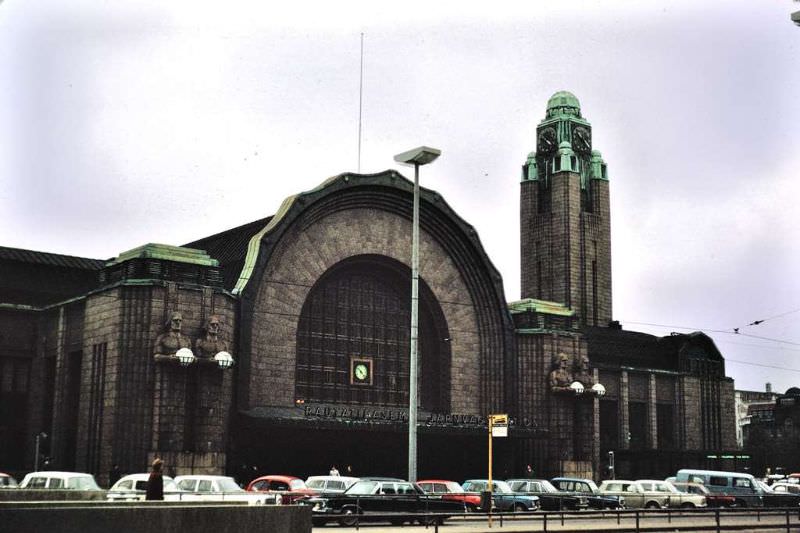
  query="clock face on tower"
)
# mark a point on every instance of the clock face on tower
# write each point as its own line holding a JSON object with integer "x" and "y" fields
{"x": 360, "y": 371}
{"x": 581, "y": 139}
{"x": 547, "y": 140}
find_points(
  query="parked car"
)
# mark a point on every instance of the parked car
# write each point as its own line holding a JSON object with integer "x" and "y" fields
{"x": 289, "y": 487}
{"x": 786, "y": 486}
{"x": 780, "y": 498}
{"x": 550, "y": 498}
{"x": 742, "y": 486}
{"x": 675, "y": 498}
{"x": 503, "y": 498}
{"x": 59, "y": 480}
{"x": 712, "y": 500}
{"x": 7, "y": 481}
{"x": 329, "y": 484}
{"x": 372, "y": 499}
{"x": 636, "y": 497}
{"x": 589, "y": 488}
{"x": 133, "y": 487}
{"x": 220, "y": 488}
{"x": 451, "y": 490}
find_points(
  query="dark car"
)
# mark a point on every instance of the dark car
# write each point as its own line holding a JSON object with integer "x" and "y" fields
{"x": 588, "y": 488}
{"x": 550, "y": 498}
{"x": 381, "y": 500}
{"x": 503, "y": 498}
{"x": 779, "y": 498}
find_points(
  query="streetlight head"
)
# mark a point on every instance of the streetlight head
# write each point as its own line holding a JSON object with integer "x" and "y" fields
{"x": 418, "y": 156}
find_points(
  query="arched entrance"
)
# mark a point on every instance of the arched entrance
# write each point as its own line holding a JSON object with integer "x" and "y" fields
{"x": 358, "y": 312}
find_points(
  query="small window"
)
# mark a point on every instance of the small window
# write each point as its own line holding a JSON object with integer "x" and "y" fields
{"x": 125, "y": 485}
{"x": 37, "y": 482}
{"x": 742, "y": 483}
{"x": 204, "y": 486}
{"x": 278, "y": 485}
{"x": 718, "y": 481}
{"x": 56, "y": 483}
{"x": 336, "y": 485}
{"x": 439, "y": 488}
{"x": 141, "y": 485}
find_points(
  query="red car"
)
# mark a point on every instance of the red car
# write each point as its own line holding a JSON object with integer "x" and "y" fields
{"x": 290, "y": 488}
{"x": 450, "y": 490}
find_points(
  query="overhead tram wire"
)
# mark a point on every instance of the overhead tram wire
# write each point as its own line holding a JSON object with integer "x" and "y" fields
{"x": 726, "y": 331}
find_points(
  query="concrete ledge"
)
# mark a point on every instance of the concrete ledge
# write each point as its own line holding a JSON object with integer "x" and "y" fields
{"x": 28, "y": 495}
{"x": 155, "y": 517}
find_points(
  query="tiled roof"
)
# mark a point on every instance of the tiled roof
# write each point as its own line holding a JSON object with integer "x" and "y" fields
{"x": 38, "y": 278}
{"x": 44, "y": 258}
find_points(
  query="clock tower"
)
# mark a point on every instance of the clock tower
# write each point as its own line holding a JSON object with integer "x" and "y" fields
{"x": 565, "y": 230}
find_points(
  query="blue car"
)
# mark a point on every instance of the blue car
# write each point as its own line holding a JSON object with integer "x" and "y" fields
{"x": 503, "y": 498}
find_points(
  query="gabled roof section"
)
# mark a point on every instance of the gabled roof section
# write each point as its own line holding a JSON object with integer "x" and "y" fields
{"x": 617, "y": 347}
{"x": 37, "y": 279}
{"x": 230, "y": 248}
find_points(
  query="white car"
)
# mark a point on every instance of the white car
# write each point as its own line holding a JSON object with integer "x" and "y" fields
{"x": 133, "y": 487}
{"x": 330, "y": 484}
{"x": 59, "y": 480}
{"x": 636, "y": 497}
{"x": 676, "y": 498}
{"x": 221, "y": 488}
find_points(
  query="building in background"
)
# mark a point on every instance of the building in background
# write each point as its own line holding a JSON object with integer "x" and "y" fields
{"x": 121, "y": 360}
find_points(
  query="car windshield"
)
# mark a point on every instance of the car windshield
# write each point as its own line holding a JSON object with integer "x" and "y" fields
{"x": 547, "y": 486}
{"x": 227, "y": 484}
{"x": 452, "y": 486}
{"x": 362, "y": 487}
{"x": 297, "y": 484}
{"x": 82, "y": 483}
{"x": 315, "y": 483}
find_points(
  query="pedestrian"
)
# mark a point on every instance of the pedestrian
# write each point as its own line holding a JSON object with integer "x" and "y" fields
{"x": 155, "y": 483}
{"x": 349, "y": 471}
{"x": 115, "y": 474}
{"x": 529, "y": 472}
{"x": 334, "y": 471}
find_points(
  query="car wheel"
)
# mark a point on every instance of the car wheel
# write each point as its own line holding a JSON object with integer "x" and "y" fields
{"x": 652, "y": 505}
{"x": 519, "y": 508}
{"x": 687, "y": 505}
{"x": 349, "y": 517}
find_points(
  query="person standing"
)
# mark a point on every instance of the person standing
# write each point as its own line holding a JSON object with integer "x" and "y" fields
{"x": 334, "y": 471}
{"x": 529, "y": 472}
{"x": 155, "y": 483}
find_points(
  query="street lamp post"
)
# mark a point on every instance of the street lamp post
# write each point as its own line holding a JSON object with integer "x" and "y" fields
{"x": 417, "y": 157}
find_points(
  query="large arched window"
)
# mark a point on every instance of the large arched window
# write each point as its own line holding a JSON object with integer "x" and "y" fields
{"x": 358, "y": 313}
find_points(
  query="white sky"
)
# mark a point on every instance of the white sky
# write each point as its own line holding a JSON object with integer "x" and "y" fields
{"x": 125, "y": 122}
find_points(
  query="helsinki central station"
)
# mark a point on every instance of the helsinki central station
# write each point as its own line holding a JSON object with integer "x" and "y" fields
{"x": 282, "y": 346}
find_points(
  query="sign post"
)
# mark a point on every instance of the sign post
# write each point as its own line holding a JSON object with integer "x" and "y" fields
{"x": 498, "y": 427}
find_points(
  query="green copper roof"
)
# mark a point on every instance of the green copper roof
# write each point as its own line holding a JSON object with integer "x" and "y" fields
{"x": 563, "y": 99}
{"x": 540, "y": 306}
{"x": 168, "y": 253}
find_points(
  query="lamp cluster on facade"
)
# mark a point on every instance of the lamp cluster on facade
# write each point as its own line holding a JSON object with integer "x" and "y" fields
{"x": 578, "y": 388}
{"x": 186, "y": 358}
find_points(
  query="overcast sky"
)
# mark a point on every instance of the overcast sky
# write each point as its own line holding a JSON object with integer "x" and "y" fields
{"x": 125, "y": 122}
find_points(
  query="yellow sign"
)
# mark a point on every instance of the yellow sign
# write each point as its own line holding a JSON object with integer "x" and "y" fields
{"x": 499, "y": 420}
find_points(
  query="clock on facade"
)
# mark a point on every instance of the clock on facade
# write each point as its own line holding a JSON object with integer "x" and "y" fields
{"x": 547, "y": 140}
{"x": 581, "y": 139}
{"x": 360, "y": 371}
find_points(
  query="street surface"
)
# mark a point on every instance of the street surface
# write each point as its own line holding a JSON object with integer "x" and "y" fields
{"x": 689, "y": 522}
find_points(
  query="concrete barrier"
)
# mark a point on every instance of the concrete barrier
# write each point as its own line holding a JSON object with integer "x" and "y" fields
{"x": 151, "y": 517}
{"x": 31, "y": 495}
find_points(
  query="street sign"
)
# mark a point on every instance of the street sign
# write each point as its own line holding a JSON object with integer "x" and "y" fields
{"x": 499, "y": 425}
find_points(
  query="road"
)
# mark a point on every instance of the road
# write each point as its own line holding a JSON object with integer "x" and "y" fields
{"x": 652, "y": 523}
